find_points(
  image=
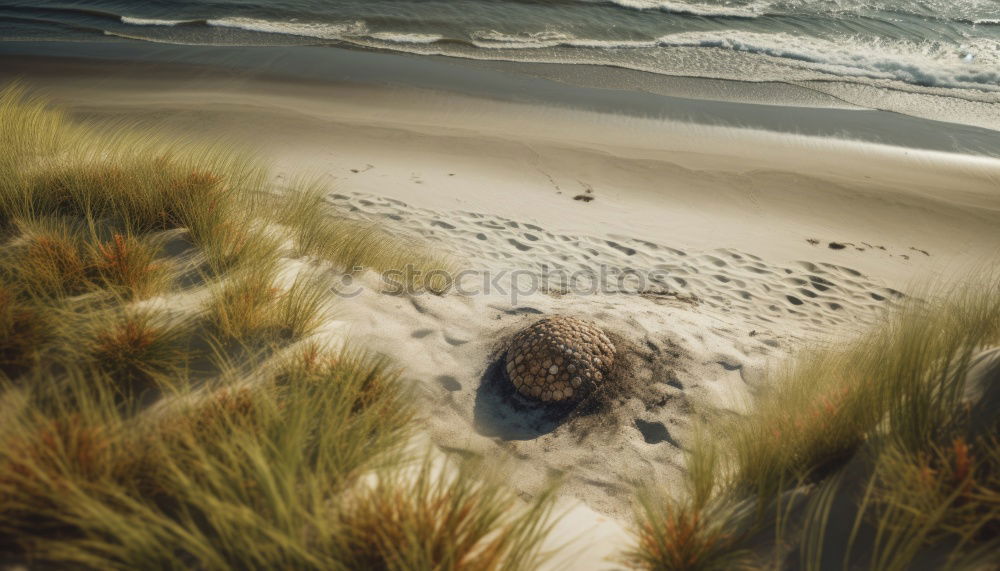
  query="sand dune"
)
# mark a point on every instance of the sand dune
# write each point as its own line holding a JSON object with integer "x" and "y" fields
{"x": 695, "y": 338}
{"x": 750, "y": 244}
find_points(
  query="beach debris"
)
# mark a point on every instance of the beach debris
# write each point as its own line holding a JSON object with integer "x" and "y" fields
{"x": 559, "y": 359}
{"x": 588, "y": 194}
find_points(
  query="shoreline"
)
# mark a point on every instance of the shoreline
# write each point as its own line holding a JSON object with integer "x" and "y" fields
{"x": 801, "y": 108}
{"x": 683, "y": 184}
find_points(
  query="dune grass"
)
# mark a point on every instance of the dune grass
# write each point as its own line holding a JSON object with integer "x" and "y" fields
{"x": 404, "y": 265}
{"x": 902, "y": 382}
{"x": 890, "y": 405}
{"x": 138, "y": 347}
{"x": 245, "y": 475}
{"x": 262, "y": 474}
{"x": 681, "y": 533}
{"x": 25, "y": 327}
{"x": 449, "y": 517}
{"x": 164, "y": 403}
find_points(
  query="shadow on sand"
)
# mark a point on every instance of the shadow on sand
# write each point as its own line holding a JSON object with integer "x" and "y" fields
{"x": 501, "y": 412}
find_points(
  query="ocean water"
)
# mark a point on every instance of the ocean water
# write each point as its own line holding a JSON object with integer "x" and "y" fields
{"x": 948, "y": 48}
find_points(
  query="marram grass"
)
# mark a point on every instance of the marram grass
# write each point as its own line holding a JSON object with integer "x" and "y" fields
{"x": 878, "y": 424}
{"x": 449, "y": 517}
{"x": 162, "y": 405}
{"x": 354, "y": 244}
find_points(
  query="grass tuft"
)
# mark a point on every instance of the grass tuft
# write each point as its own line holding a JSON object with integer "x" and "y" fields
{"x": 903, "y": 380}
{"x": 242, "y": 306}
{"x": 256, "y": 456}
{"x": 136, "y": 347}
{"x": 948, "y": 493}
{"x": 24, "y": 329}
{"x": 51, "y": 262}
{"x": 681, "y": 535}
{"x": 924, "y": 479}
{"x": 356, "y": 246}
{"x": 436, "y": 520}
{"x": 129, "y": 265}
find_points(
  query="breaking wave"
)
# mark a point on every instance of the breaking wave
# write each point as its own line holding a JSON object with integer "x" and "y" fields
{"x": 930, "y": 63}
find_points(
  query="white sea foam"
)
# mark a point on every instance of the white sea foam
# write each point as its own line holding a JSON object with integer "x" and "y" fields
{"x": 928, "y": 63}
{"x": 151, "y": 21}
{"x": 955, "y": 10}
{"x": 327, "y": 31}
{"x": 751, "y": 10}
{"x": 931, "y": 63}
{"x": 406, "y": 38}
{"x": 492, "y": 39}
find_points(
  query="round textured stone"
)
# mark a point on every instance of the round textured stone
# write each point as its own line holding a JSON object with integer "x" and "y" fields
{"x": 565, "y": 356}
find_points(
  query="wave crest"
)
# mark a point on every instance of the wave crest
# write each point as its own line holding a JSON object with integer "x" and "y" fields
{"x": 325, "y": 31}
{"x": 931, "y": 63}
{"x": 751, "y": 10}
{"x": 135, "y": 21}
{"x": 406, "y": 38}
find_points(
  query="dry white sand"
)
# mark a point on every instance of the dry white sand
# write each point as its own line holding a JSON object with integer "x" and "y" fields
{"x": 725, "y": 215}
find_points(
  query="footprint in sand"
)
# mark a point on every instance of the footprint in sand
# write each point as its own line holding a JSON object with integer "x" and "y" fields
{"x": 449, "y": 383}
{"x": 720, "y": 263}
{"x": 728, "y": 280}
{"x": 820, "y": 283}
{"x": 520, "y": 310}
{"x": 455, "y": 341}
{"x": 623, "y": 249}
{"x": 654, "y": 432}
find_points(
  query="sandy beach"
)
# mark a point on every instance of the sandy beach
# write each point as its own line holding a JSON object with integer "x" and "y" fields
{"x": 749, "y": 244}
{"x": 682, "y": 184}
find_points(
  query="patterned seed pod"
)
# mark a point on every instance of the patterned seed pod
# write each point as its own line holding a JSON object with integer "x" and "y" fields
{"x": 565, "y": 356}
